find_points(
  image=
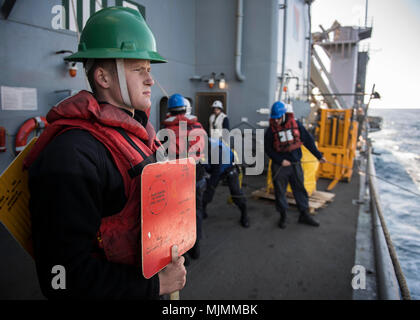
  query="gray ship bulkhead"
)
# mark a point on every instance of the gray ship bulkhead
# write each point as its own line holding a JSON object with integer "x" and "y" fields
{"x": 196, "y": 37}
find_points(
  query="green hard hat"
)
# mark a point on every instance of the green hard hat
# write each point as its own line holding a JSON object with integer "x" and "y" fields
{"x": 116, "y": 33}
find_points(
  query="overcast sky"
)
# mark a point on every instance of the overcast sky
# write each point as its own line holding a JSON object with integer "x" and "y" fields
{"x": 394, "y": 64}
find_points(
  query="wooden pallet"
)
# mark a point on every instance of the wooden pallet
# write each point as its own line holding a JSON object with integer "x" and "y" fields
{"x": 318, "y": 199}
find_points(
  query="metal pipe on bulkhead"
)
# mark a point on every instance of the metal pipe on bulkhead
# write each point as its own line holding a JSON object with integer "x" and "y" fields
{"x": 238, "y": 52}
{"x": 309, "y": 53}
{"x": 283, "y": 54}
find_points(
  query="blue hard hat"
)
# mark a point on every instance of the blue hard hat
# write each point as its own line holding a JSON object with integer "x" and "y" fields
{"x": 177, "y": 102}
{"x": 278, "y": 110}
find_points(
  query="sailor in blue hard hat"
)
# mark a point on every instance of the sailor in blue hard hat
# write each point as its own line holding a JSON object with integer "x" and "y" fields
{"x": 282, "y": 143}
{"x": 176, "y": 102}
{"x": 278, "y": 111}
{"x": 177, "y": 108}
{"x": 224, "y": 167}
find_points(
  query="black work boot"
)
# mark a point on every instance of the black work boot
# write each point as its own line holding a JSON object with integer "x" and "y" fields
{"x": 282, "y": 221}
{"x": 244, "y": 219}
{"x": 306, "y": 218}
{"x": 194, "y": 252}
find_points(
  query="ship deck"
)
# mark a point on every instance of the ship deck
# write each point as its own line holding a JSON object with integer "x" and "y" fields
{"x": 266, "y": 262}
{"x": 262, "y": 262}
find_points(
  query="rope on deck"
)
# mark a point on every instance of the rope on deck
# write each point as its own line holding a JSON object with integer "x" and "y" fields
{"x": 371, "y": 175}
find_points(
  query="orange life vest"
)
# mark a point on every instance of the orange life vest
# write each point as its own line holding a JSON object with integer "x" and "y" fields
{"x": 131, "y": 146}
{"x": 286, "y": 135}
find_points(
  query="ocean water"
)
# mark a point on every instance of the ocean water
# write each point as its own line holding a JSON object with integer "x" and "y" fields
{"x": 399, "y": 162}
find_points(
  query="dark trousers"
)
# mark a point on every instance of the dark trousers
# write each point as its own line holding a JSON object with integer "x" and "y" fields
{"x": 200, "y": 187}
{"x": 292, "y": 174}
{"x": 236, "y": 192}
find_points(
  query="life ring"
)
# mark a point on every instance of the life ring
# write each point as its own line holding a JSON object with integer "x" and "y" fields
{"x": 27, "y": 127}
{"x": 2, "y": 139}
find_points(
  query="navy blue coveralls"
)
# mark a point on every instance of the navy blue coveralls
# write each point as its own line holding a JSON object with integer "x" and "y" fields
{"x": 219, "y": 171}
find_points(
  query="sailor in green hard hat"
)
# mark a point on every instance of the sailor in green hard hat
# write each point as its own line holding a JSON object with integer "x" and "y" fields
{"x": 84, "y": 171}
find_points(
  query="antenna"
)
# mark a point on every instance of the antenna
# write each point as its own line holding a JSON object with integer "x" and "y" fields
{"x": 366, "y": 13}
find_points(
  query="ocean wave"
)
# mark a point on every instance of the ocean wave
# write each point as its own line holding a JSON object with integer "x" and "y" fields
{"x": 396, "y": 162}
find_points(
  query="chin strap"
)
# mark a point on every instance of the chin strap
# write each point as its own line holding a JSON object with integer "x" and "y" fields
{"x": 123, "y": 82}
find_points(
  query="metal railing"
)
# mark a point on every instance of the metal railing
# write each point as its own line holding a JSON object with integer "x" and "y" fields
{"x": 391, "y": 281}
